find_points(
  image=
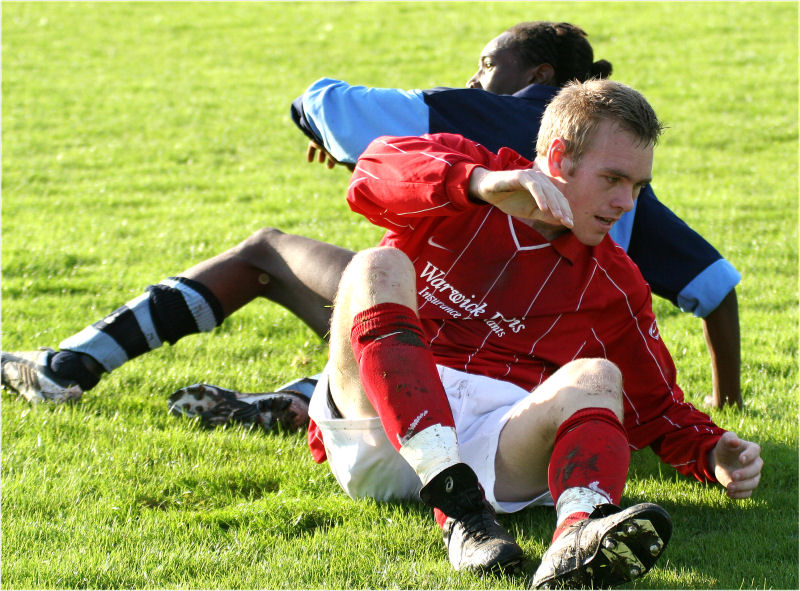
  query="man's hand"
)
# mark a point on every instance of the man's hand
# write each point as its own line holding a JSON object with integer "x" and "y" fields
{"x": 737, "y": 465}
{"x": 526, "y": 194}
{"x": 315, "y": 151}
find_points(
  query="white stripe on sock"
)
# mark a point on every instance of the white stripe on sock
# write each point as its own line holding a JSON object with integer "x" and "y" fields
{"x": 579, "y": 499}
{"x": 140, "y": 307}
{"x": 98, "y": 345}
{"x": 197, "y": 304}
{"x": 431, "y": 450}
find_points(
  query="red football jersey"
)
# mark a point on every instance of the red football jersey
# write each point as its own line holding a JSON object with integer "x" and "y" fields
{"x": 497, "y": 299}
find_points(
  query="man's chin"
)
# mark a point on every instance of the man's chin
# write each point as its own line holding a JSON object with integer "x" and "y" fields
{"x": 592, "y": 239}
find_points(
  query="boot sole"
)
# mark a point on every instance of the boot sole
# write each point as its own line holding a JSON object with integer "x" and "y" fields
{"x": 626, "y": 551}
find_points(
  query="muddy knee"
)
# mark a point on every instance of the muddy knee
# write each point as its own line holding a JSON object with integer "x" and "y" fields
{"x": 375, "y": 276}
{"x": 598, "y": 383}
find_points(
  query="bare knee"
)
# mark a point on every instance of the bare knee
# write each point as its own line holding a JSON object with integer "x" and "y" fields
{"x": 527, "y": 438}
{"x": 598, "y": 384}
{"x": 380, "y": 261}
{"x": 376, "y": 276}
{"x": 256, "y": 248}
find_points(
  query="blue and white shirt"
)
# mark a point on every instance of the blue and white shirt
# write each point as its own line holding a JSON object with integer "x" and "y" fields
{"x": 678, "y": 263}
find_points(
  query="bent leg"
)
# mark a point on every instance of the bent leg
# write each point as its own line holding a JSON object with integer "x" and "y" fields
{"x": 526, "y": 442}
{"x": 596, "y": 544}
{"x": 376, "y": 276}
{"x": 299, "y": 273}
{"x": 380, "y": 364}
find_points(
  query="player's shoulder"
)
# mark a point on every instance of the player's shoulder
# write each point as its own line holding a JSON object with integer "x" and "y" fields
{"x": 624, "y": 277}
{"x": 613, "y": 258}
{"x": 532, "y": 95}
{"x": 502, "y": 158}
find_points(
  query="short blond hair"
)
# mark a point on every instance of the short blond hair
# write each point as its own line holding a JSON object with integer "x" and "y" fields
{"x": 576, "y": 111}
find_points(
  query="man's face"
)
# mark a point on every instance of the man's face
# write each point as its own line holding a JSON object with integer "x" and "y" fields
{"x": 606, "y": 181}
{"x": 500, "y": 70}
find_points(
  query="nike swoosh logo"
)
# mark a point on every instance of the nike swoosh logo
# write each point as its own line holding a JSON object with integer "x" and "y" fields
{"x": 435, "y": 245}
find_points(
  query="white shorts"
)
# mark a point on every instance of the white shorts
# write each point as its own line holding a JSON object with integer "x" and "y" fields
{"x": 366, "y": 464}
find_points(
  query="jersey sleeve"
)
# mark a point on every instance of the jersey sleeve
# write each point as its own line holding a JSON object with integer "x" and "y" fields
{"x": 656, "y": 413}
{"x": 678, "y": 263}
{"x": 401, "y": 180}
{"x": 346, "y": 118}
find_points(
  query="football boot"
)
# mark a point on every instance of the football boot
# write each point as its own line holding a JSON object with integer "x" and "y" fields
{"x": 217, "y": 406}
{"x": 475, "y": 540}
{"x": 29, "y": 374}
{"x": 611, "y": 547}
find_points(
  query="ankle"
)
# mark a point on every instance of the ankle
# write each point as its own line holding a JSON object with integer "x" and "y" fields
{"x": 92, "y": 365}
{"x": 431, "y": 451}
{"x": 455, "y": 491}
{"x": 568, "y": 521}
{"x": 79, "y": 368}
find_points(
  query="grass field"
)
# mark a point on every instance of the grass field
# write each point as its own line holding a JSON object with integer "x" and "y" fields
{"x": 141, "y": 138}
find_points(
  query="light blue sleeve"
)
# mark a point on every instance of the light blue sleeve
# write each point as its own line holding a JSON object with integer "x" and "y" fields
{"x": 704, "y": 293}
{"x": 622, "y": 230}
{"x": 348, "y": 118}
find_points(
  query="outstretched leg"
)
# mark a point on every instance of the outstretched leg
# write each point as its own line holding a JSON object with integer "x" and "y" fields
{"x": 298, "y": 273}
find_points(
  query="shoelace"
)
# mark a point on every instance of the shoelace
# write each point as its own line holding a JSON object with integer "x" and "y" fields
{"x": 479, "y": 525}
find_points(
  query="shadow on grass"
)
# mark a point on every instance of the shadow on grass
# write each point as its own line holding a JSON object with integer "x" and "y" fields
{"x": 281, "y": 521}
{"x": 192, "y": 494}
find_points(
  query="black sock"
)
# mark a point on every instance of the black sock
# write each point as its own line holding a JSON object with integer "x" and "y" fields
{"x": 455, "y": 491}
{"x": 75, "y": 367}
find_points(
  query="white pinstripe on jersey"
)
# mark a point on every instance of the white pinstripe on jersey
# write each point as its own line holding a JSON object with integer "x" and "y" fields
{"x": 496, "y": 299}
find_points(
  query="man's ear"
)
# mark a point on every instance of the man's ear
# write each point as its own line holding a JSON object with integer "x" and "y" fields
{"x": 542, "y": 74}
{"x": 557, "y": 159}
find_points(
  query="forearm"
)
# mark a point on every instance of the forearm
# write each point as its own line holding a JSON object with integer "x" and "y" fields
{"x": 347, "y": 118}
{"x": 721, "y": 330}
{"x": 688, "y": 449}
{"x": 525, "y": 193}
{"x": 475, "y": 179}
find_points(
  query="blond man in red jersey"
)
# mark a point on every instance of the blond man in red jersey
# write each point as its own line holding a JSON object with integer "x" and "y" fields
{"x": 499, "y": 350}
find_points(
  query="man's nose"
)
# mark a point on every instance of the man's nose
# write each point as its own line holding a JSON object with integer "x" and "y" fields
{"x": 626, "y": 198}
{"x": 474, "y": 82}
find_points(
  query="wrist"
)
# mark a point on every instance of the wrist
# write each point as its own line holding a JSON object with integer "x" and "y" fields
{"x": 710, "y": 468}
{"x": 475, "y": 180}
{"x": 711, "y": 462}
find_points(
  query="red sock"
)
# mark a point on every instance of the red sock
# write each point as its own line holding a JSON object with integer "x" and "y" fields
{"x": 591, "y": 451}
{"x": 439, "y": 517}
{"x": 398, "y": 371}
{"x": 569, "y": 520}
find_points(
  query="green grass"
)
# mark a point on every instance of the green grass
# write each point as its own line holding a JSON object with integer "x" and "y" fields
{"x": 141, "y": 138}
